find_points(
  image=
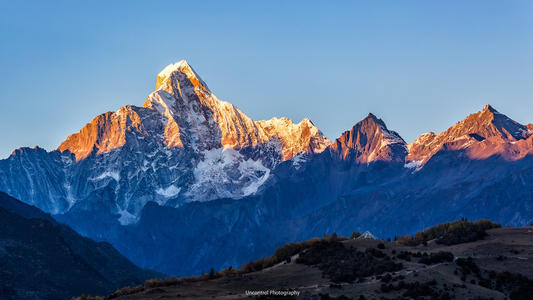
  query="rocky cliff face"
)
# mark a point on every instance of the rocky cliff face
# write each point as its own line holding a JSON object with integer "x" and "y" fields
{"x": 184, "y": 113}
{"x": 183, "y": 145}
{"x": 482, "y": 134}
{"x": 370, "y": 140}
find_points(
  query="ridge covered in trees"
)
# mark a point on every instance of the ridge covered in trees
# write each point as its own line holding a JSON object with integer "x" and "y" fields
{"x": 453, "y": 233}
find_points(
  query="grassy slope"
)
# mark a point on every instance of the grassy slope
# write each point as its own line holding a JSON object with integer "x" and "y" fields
{"x": 503, "y": 249}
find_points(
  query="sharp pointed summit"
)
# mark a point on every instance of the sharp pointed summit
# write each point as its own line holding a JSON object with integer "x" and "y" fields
{"x": 178, "y": 72}
{"x": 369, "y": 140}
{"x": 489, "y": 108}
{"x": 489, "y": 123}
{"x": 489, "y": 127}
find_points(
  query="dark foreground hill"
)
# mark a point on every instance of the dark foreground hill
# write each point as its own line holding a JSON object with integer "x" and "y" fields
{"x": 496, "y": 266}
{"x": 42, "y": 259}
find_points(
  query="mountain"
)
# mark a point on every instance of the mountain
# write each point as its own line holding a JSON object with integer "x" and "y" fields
{"x": 370, "y": 140}
{"x": 188, "y": 182}
{"x": 184, "y": 113}
{"x": 183, "y": 145}
{"x": 42, "y": 259}
{"x": 484, "y": 134}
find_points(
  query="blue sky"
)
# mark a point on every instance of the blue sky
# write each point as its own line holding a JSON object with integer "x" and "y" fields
{"x": 419, "y": 65}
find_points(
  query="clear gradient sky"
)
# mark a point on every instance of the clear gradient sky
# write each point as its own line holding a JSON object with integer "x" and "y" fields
{"x": 419, "y": 65}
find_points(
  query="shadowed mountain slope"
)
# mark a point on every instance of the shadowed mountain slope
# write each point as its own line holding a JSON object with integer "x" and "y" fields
{"x": 42, "y": 259}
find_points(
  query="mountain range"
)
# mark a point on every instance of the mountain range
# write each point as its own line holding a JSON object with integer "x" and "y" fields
{"x": 188, "y": 182}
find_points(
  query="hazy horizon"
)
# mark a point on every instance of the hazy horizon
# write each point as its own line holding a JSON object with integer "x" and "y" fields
{"x": 419, "y": 66}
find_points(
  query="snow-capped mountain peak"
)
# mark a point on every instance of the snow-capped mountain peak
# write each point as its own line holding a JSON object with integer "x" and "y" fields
{"x": 197, "y": 118}
{"x": 181, "y": 68}
{"x": 183, "y": 144}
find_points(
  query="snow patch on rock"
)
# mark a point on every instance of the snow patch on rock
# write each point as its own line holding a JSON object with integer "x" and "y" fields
{"x": 298, "y": 161}
{"x": 255, "y": 172}
{"x": 225, "y": 173}
{"x": 126, "y": 217}
{"x": 168, "y": 192}
{"x": 416, "y": 165}
{"x": 112, "y": 174}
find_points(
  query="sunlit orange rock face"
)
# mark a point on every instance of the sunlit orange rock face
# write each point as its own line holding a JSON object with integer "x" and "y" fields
{"x": 104, "y": 133}
{"x": 191, "y": 116}
{"x": 480, "y": 135}
{"x": 368, "y": 141}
